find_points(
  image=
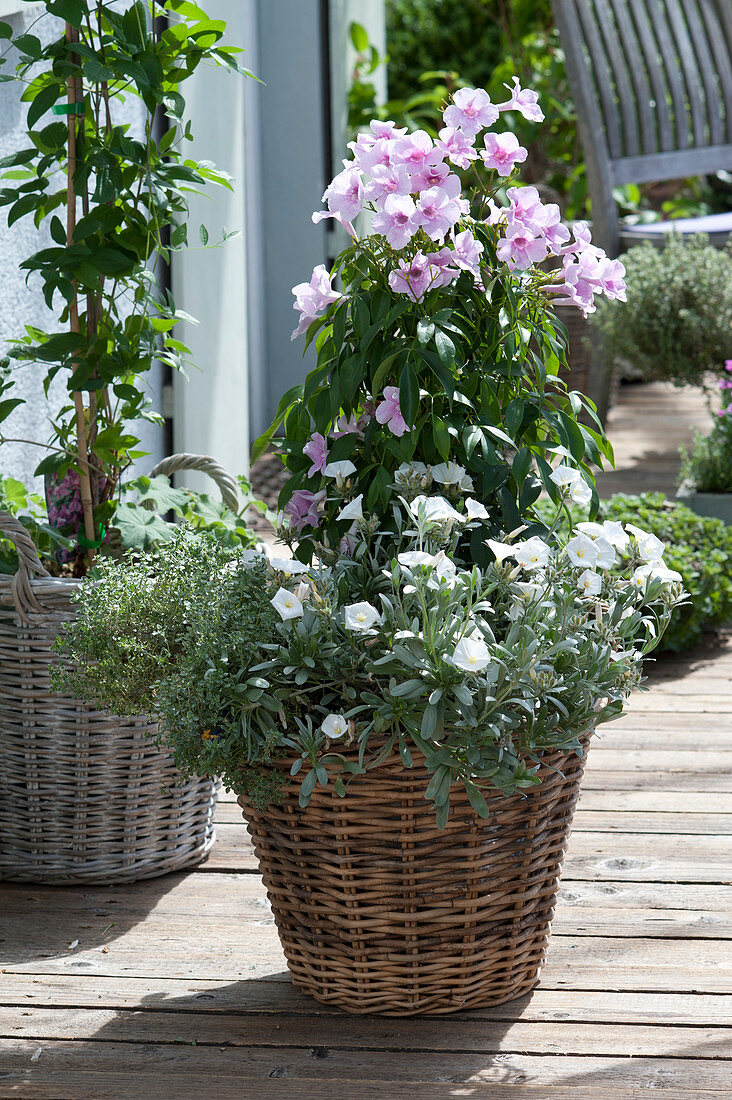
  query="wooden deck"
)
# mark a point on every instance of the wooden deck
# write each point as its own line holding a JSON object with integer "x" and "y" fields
{"x": 178, "y": 988}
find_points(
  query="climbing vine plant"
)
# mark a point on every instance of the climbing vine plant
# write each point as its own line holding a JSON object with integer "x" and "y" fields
{"x": 115, "y": 202}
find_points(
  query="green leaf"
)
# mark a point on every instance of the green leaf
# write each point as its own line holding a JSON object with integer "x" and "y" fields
{"x": 441, "y": 437}
{"x": 167, "y": 139}
{"x": 6, "y": 31}
{"x": 7, "y": 406}
{"x": 382, "y": 372}
{"x": 42, "y": 102}
{"x": 471, "y": 438}
{"x": 350, "y": 376}
{"x": 71, "y": 11}
{"x": 521, "y": 466}
{"x": 445, "y": 348}
{"x": 58, "y": 233}
{"x": 476, "y": 799}
{"x": 287, "y": 401}
{"x": 140, "y": 529}
{"x": 574, "y": 436}
{"x": 360, "y": 315}
{"x": 339, "y": 325}
{"x": 203, "y": 235}
{"x": 514, "y": 415}
{"x": 409, "y": 394}
{"x": 379, "y": 488}
{"x": 211, "y": 512}
{"x": 498, "y": 433}
{"x": 359, "y": 37}
{"x": 425, "y": 331}
{"x": 160, "y": 492}
{"x": 179, "y": 236}
{"x": 15, "y": 492}
{"x": 307, "y": 787}
{"x": 29, "y": 46}
{"x": 50, "y": 464}
{"x": 112, "y": 261}
{"x": 429, "y": 722}
{"x": 22, "y": 207}
{"x": 438, "y": 788}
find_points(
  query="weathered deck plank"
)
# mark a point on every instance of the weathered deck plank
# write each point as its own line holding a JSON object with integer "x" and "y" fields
{"x": 245, "y": 998}
{"x": 107, "y": 1071}
{"x": 636, "y": 993}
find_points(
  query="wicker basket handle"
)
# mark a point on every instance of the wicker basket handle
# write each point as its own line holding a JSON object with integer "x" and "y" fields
{"x": 207, "y": 465}
{"x": 29, "y": 564}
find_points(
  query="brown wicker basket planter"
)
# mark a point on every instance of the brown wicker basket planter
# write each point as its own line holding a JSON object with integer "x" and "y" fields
{"x": 84, "y": 796}
{"x": 379, "y": 911}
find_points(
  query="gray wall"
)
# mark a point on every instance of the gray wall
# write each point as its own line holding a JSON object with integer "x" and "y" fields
{"x": 293, "y": 173}
{"x": 294, "y": 167}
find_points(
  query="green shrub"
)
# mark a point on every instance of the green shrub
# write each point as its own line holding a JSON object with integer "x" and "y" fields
{"x": 424, "y": 35}
{"x": 708, "y": 466}
{"x": 677, "y": 321}
{"x": 700, "y": 549}
{"x": 245, "y": 667}
{"x": 173, "y": 634}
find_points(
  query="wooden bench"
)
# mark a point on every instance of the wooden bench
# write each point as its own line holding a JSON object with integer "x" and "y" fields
{"x": 652, "y": 84}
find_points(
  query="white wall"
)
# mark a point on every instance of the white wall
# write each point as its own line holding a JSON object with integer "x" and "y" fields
{"x": 22, "y": 304}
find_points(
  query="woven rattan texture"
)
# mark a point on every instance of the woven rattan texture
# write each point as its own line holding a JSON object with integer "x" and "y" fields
{"x": 379, "y": 911}
{"x": 84, "y": 796}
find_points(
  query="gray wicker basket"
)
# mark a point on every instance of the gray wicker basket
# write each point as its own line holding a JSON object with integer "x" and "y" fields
{"x": 84, "y": 796}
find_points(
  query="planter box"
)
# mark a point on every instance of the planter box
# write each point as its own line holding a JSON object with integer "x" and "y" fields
{"x": 712, "y": 505}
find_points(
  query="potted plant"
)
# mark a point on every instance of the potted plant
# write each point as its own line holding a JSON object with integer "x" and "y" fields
{"x": 408, "y": 736}
{"x": 706, "y": 471}
{"x": 86, "y": 795}
{"x": 675, "y": 325}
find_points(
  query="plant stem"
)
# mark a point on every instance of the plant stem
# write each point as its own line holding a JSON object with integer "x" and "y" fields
{"x": 81, "y": 429}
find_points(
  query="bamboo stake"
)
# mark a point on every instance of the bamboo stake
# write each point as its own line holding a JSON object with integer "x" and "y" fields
{"x": 81, "y": 427}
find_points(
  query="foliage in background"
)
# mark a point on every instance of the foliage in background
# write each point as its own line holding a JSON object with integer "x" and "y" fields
{"x": 143, "y": 523}
{"x": 30, "y": 510}
{"x": 477, "y": 670}
{"x": 147, "y": 517}
{"x": 677, "y": 321}
{"x": 124, "y": 198}
{"x": 698, "y": 548}
{"x": 708, "y": 466}
{"x": 424, "y": 35}
{"x": 435, "y": 46}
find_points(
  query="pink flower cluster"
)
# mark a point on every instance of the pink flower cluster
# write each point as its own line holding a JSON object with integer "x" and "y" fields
{"x": 407, "y": 182}
{"x": 303, "y": 508}
{"x": 389, "y": 412}
{"x": 313, "y": 298}
{"x": 587, "y": 271}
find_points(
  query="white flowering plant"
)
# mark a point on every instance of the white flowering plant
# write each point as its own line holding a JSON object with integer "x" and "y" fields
{"x": 248, "y": 663}
{"x": 437, "y": 349}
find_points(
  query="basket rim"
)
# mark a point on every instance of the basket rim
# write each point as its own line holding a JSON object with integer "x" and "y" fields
{"x": 394, "y": 760}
